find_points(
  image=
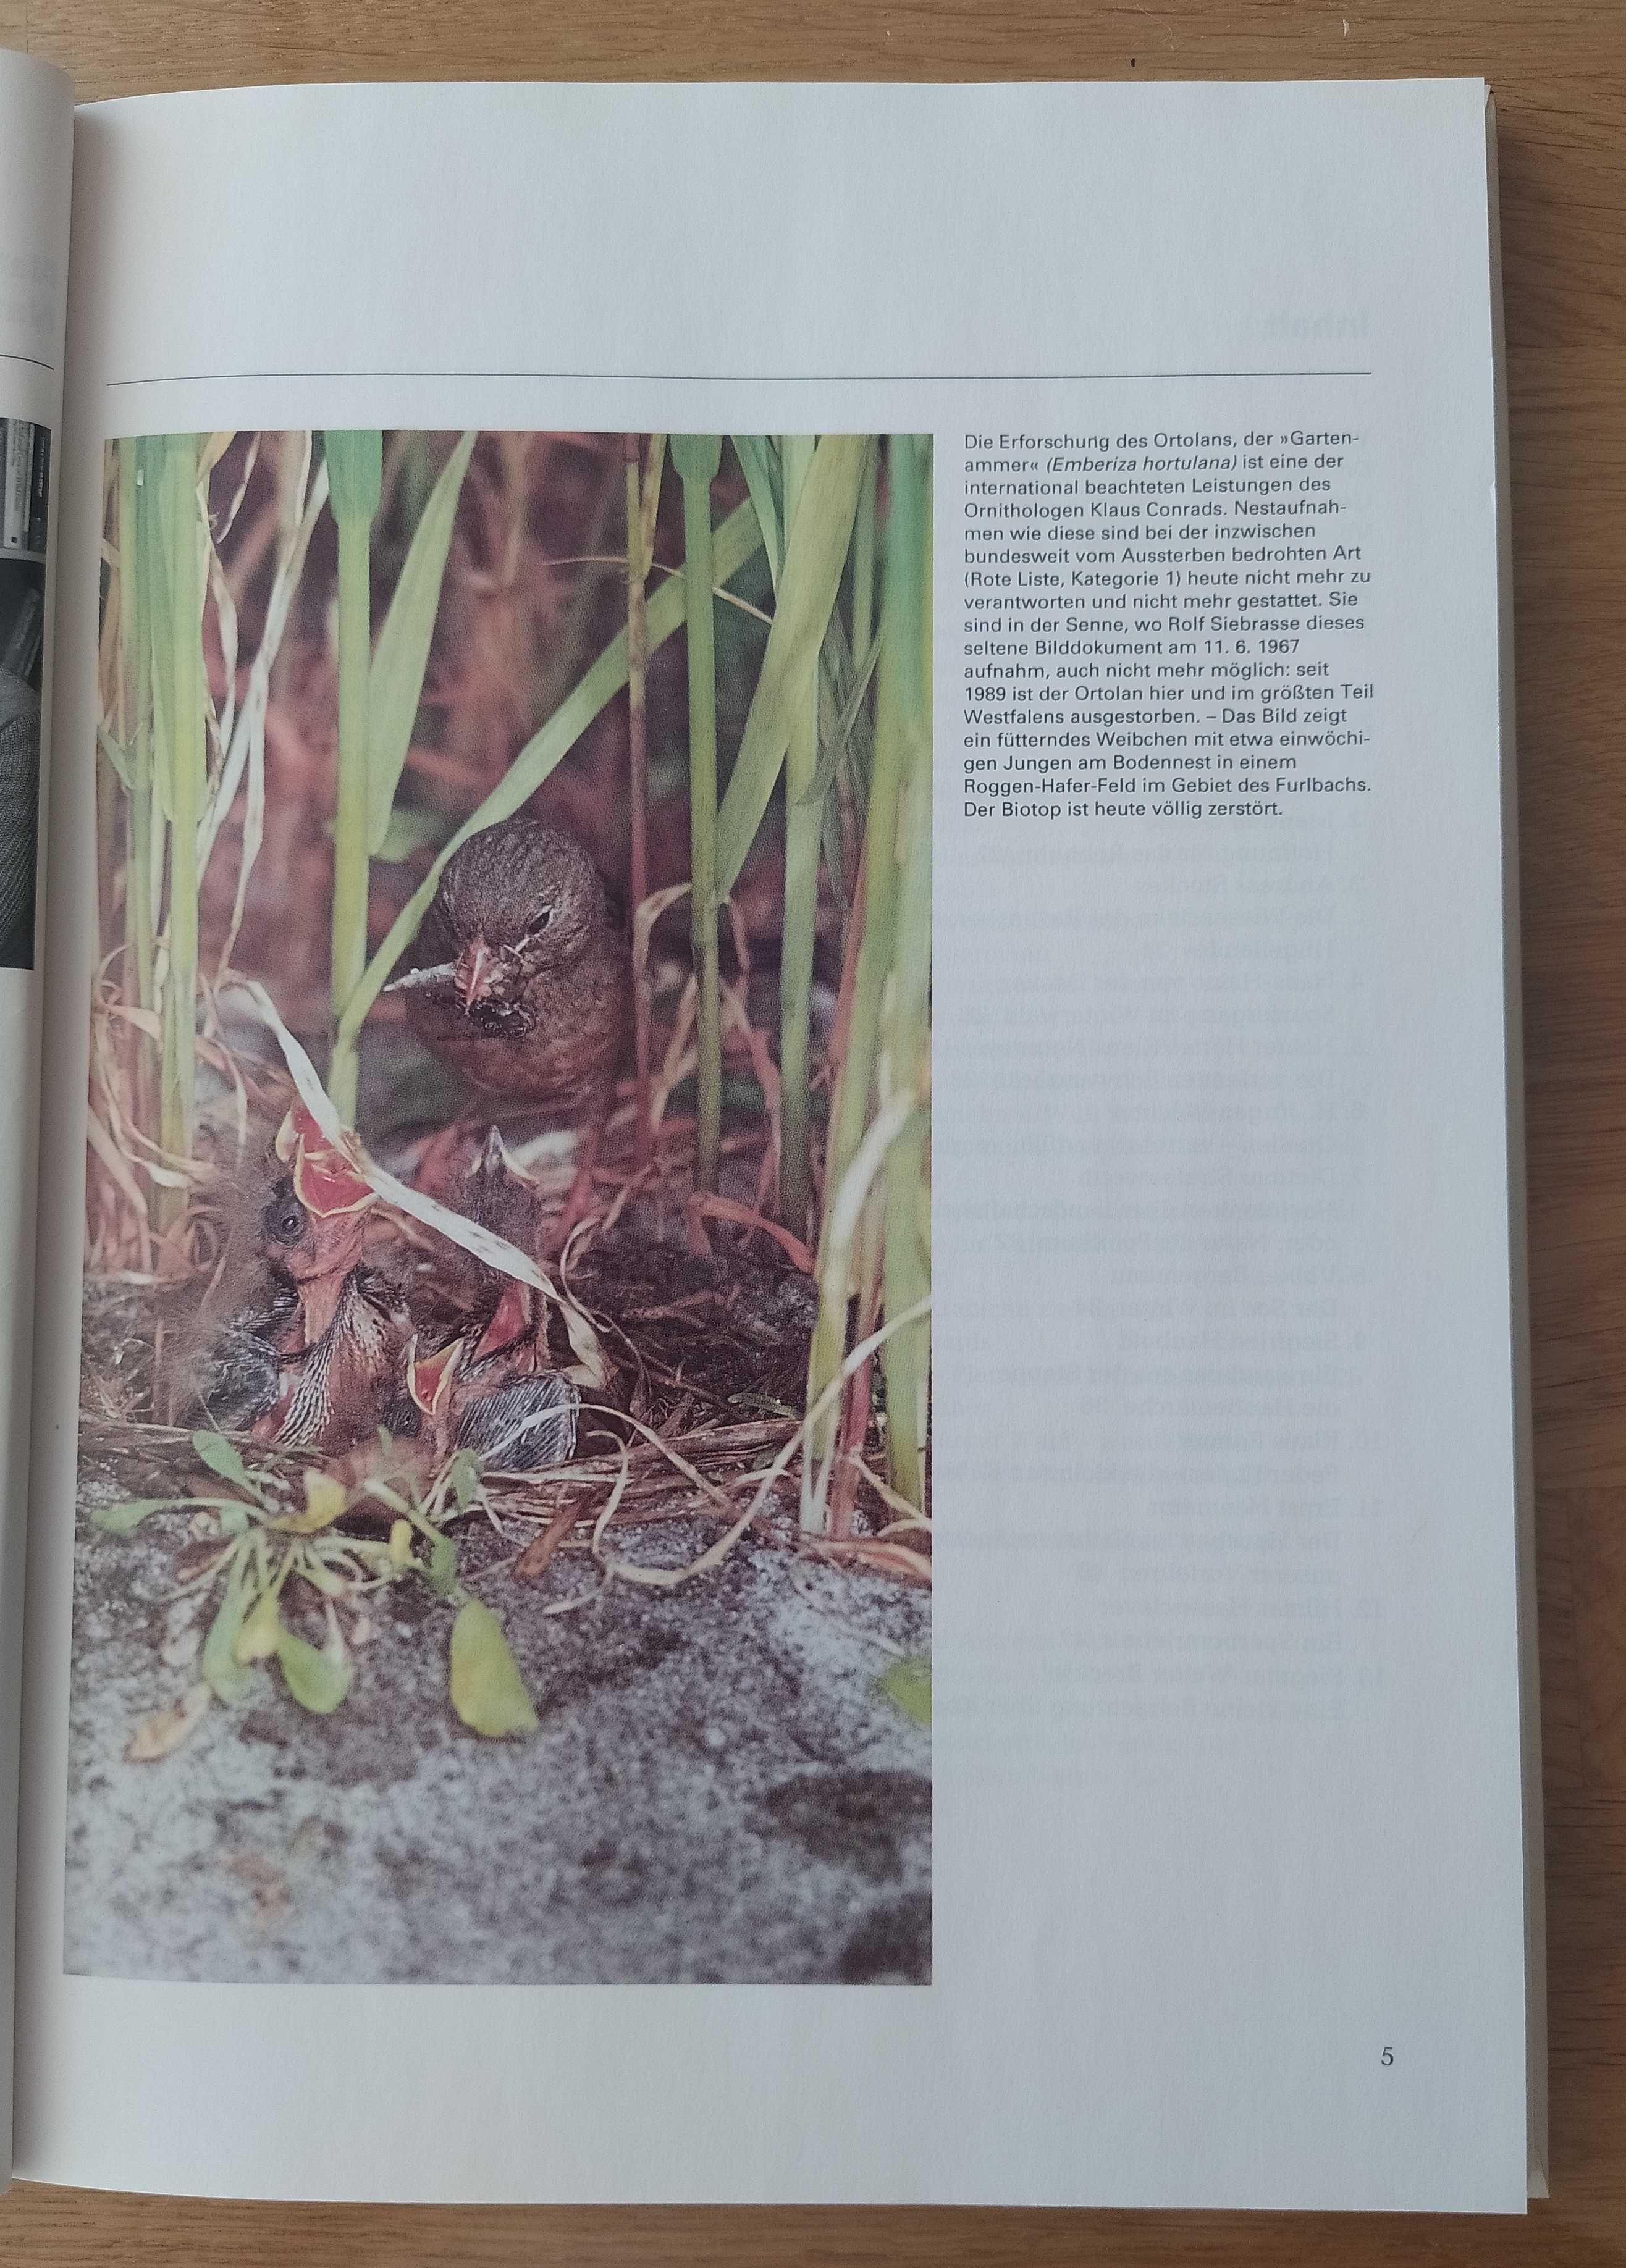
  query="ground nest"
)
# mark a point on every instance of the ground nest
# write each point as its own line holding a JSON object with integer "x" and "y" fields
{"x": 709, "y": 1356}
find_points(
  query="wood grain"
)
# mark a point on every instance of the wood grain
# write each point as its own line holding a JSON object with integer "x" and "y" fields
{"x": 1559, "y": 71}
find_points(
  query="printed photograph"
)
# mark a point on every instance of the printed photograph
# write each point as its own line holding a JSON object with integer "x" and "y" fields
{"x": 504, "y": 1548}
{"x": 24, "y": 511}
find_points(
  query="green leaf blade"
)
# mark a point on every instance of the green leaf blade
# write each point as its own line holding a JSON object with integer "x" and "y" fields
{"x": 760, "y": 466}
{"x": 151, "y": 520}
{"x": 318, "y": 1677}
{"x": 463, "y": 1476}
{"x": 809, "y": 583}
{"x": 441, "y": 1569}
{"x": 230, "y": 1678}
{"x": 410, "y": 830}
{"x": 908, "y": 1685}
{"x": 487, "y": 1690}
{"x": 261, "y": 1628}
{"x": 355, "y": 473}
{"x": 401, "y": 655}
{"x": 123, "y": 1518}
{"x": 222, "y": 1458}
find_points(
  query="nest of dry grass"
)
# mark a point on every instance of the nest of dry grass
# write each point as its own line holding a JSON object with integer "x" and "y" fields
{"x": 711, "y": 1356}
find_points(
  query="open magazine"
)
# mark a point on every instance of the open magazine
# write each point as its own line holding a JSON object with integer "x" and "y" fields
{"x": 775, "y": 1284}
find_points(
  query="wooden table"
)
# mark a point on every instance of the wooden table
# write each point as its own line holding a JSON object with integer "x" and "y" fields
{"x": 1559, "y": 71}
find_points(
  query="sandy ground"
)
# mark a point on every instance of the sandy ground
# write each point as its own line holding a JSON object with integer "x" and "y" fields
{"x": 718, "y": 1791}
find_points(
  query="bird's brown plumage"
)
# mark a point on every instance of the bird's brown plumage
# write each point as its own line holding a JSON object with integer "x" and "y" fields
{"x": 523, "y": 979}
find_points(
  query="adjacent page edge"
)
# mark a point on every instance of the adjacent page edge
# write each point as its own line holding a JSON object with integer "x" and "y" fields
{"x": 1519, "y": 1272}
{"x": 40, "y": 220}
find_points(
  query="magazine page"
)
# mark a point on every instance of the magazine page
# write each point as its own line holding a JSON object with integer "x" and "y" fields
{"x": 36, "y": 155}
{"x": 778, "y": 1455}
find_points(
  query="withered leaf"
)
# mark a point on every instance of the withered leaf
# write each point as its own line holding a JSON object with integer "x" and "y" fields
{"x": 162, "y": 1730}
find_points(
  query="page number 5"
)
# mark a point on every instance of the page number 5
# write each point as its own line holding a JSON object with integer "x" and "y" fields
{"x": 1388, "y": 2058}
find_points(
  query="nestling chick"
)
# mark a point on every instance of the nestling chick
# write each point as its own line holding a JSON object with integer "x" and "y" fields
{"x": 490, "y": 1389}
{"x": 513, "y": 1419}
{"x": 508, "y": 1204}
{"x": 500, "y": 1196}
{"x": 311, "y": 1349}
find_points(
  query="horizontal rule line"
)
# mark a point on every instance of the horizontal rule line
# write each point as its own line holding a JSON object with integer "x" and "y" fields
{"x": 33, "y": 361}
{"x": 709, "y": 377}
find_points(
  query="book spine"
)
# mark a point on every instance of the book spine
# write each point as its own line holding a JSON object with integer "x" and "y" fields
{"x": 18, "y": 472}
{"x": 40, "y": 488}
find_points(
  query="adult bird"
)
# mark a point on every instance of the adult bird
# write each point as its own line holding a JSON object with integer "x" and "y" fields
{"x": 522, "y": 983}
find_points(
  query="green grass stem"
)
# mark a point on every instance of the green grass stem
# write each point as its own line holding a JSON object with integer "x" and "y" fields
{"x": 864, "y": 560}
{"x": 803, "y": 834}
{"x": 355, "y": 467}
{"x": 182, "y": 666}
{"x": 906, "y": 1261}
{"x": 136, "y": 685}
{"x": 895, "y": 670}
{"x": 698, "y": 457}
{"x": 637, "y": 765}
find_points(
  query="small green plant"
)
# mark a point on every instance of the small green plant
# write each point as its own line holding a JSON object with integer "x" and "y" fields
{"x": 268, "y": 1540}
{"x": 907, "y": 1684}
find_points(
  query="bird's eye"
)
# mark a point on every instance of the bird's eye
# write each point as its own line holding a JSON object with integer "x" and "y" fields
{"x": 284, "y": 1220}
{"x": 539, "y": 922}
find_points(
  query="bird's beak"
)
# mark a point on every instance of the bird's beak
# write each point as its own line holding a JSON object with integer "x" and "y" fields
{"x": 512, "y": 1325}
{"x": 473, "y": 971}
{"x": 493, "y": 1160}
{"x": 429, "y": 1377}
{"x": 325, "y": 1180}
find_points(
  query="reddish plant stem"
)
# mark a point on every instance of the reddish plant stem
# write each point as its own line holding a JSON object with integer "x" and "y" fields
{"x": 532, "y": 1563}
{"x": 854, "y": 1417}
{"x": 701, "y": 1205}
